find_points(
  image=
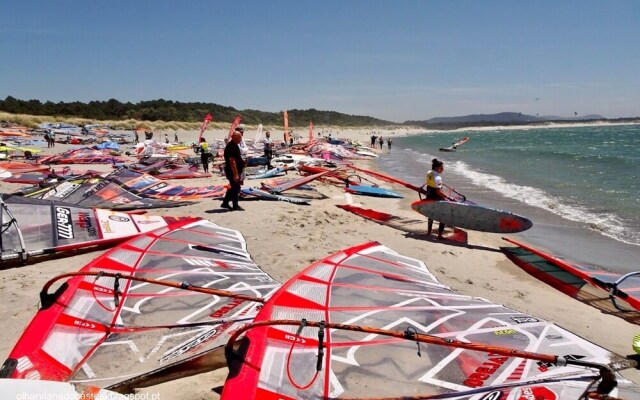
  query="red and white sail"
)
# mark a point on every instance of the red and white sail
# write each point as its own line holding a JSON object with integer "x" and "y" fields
{"x": 108, "y": 332}
{"x": 208, "y": 118}
{"x": 476, "y": 348}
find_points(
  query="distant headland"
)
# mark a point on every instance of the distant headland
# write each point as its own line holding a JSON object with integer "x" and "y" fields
{"x": 193, "y": 112}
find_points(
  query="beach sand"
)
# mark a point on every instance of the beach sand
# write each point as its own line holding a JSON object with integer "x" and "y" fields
{"x": 284, "y": 238}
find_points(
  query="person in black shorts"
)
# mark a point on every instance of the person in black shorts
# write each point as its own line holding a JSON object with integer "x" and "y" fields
{"x": 233, "y": 168}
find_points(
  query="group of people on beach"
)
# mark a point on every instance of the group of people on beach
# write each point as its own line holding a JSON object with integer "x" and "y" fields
{"x": 50, "y": 137}
{"x": 380, "y": 141}
{"x": 235, "y": 162}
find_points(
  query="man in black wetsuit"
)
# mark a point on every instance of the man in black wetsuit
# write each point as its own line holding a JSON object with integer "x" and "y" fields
{"x": 233, "y": 167}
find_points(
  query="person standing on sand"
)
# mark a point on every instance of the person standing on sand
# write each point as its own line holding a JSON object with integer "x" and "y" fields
{"x": 233, "y": 169}
{"x": 166, "y": 138}
{"x": 135, "y": 132}
{"x": 204, "y": 154}
{"x": 268, "y": 148}
{"x": 373, "y": 141}
{"x": 434, "y": 191}
{"x": 175, "y": 137}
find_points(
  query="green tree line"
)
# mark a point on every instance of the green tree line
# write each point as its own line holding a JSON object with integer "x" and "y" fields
{"x": 168, "y": 110}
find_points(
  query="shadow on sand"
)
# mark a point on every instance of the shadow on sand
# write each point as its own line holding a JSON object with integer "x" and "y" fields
{"x": 417, "y": 228}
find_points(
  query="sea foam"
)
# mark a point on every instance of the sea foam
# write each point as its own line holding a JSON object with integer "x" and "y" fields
{"x": 606, "y": 223}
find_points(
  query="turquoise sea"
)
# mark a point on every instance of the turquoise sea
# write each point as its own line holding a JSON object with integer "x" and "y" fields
{"x": 579, "y": 185}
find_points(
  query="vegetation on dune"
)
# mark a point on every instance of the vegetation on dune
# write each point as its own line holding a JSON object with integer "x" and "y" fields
{"x": 175, "y": 113}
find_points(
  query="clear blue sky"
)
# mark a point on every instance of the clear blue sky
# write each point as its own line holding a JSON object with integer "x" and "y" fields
{"x": 395, "y": 60}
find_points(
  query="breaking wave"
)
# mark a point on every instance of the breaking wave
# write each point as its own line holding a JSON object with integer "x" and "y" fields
{"x": 606, "y": 223}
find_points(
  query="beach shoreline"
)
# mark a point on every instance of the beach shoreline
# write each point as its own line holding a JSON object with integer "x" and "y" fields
{"x": 284, "y": 238}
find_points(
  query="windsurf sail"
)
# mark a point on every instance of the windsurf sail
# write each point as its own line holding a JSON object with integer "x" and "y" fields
{"x": 404, "y": 224}
{"x": 455, "y": 145}
{"x": 375, "y": 191}
{"x": 82, "y": 156}
{"x": 173, "y": 170}
{"x": 101, "y": 192}
{"x": 277, "y": 171}
{"x": 149, "y": 186}
{"x": 258, "y": 133}
{"x": 287, "y": 136}
{"x": 275, "y": 185}
{"x": 32, "y": 227}
{"x": 266, "y": 195}
{"x": 234, "y": 125}
{"x": 161, "y": 303}
{"x": 387, "y": 178}
{"x": 350, "y": 326}
{"x": 208, "y": 118}
{"x": 620, "y": 291}
{"x": 43, "y": 177}
{"x": 17, "y": 166}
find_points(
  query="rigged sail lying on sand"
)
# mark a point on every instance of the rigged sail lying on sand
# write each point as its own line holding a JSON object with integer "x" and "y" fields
{"x": 148, "y": 307}
{"x": 32, "y": 227}
{"x": 84, "y": 155}
{"x": 326, "y": 334}
{"x": 613, "y": 293}
{"x": 97, "y": 191}
{"x": 148, "y": 186}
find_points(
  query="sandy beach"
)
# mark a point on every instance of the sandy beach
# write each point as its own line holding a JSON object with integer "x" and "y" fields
{"x": 284, "y": 238}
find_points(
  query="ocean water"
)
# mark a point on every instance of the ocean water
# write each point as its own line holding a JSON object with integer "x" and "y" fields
{"x": 579, "y": 185}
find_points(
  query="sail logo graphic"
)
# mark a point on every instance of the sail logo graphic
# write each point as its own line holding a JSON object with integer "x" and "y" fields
{"x": 119, "y": 218}
{"x": 525, "y": 320}
{"x": 537, "y": 393}
{"x": 497, "y": 395}
{"x": 485, "y": 370}
{"x": 64, "y": 227}
{"x": 62, "y": 190}
{"x": 544, "y": 366}
{"x": 190, "y": 345}
{"x": 85, "y": 222}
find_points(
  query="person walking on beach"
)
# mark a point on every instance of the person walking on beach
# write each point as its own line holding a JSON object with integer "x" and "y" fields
{"x": 434, "y": 191}
{"x": 175, "y": 137}
{"x": 166, "y": 138}
{"x": 204, "y": 154}
{"x": 373, "y": 141}
{"x": 268, "y": 148}
{"x": 135, "y": 132}
{"x": 233, "y": 169}
{"x": 389, "y": 143}
{"x": 381, "y": 142}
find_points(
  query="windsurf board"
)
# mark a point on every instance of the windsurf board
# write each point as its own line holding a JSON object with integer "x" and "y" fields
{"x": 467, "y": 215}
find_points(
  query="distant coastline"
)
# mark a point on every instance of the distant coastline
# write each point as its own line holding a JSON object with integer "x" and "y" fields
{"x": 360, "y": 132}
